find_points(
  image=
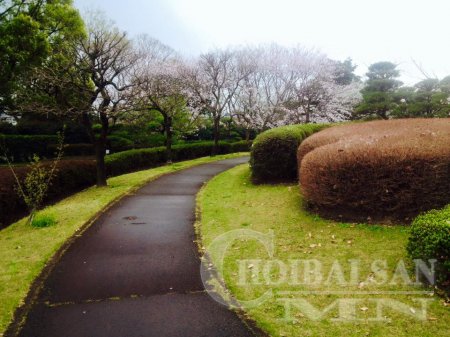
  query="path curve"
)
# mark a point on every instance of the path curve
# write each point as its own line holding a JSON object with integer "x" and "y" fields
{"x": 136, "y": 271}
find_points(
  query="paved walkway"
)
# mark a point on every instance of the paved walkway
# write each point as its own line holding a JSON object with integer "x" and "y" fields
{"x": 136, "y": 271}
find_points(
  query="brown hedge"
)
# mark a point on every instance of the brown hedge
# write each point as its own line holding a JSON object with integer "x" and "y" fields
{"x": 381, "y": 170}
{"x": 72, "y": 176}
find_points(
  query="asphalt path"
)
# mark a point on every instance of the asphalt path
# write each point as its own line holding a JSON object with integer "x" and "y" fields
{"x": 136, "y": 271}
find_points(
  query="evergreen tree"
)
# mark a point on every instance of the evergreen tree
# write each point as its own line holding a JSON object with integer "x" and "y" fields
{"x": 33, "y": 33}
{"x": 378, "y": 93}
{"x": 428, "y": 98}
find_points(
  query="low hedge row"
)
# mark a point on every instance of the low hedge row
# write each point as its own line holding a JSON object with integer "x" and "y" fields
{"x": 72, "y": 150}
{"x": 75, "y": 175}
{"x": 71, "y": 176}
{"x": 430, "y": 239}
{"x": 380, "y": 170}
{"x": 132, "y": 160}
{"x": 20, "y": 148}
{"x": 274, "y": 152}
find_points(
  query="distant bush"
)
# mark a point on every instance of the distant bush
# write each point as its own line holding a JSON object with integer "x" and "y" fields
{"x": 119, "y": 144}
{"x": 274, "y": 152}
{"x": 134, "y": 160}
{"x": 20, "y": 148}
{"x": 382, "y": 169}
{"x": 430, "y": 239}
{"x": 72, "y": 150}
{"x": 240, "y": 146}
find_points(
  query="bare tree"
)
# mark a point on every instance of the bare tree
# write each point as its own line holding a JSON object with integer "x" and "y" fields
{"x": 161, "y": 86}
{"x": 107, "y": 57}
{"x": 213, "y": 80}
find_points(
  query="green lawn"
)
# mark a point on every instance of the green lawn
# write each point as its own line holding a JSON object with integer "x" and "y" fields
{"x": 230, "y": 202}
{"x": 24, "y": 250}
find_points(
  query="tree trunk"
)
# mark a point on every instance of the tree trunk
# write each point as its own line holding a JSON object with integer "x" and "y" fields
{"x": 307, "y": 115}
{"x": 168, "y": 130}
{"x": 100, "y": 151}
{"x": 215, "y": 149}
{"x": 247, "y": 135}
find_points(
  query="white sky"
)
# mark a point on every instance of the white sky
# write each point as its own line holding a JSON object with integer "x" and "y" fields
{"x": 365, "y": 30}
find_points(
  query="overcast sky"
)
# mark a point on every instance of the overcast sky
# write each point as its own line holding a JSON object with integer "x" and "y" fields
{"x": 365, "y": 30}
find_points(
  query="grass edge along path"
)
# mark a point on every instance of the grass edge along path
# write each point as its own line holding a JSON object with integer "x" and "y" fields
{"x": 25, "y": 251}
{"x": 229, "y": 201}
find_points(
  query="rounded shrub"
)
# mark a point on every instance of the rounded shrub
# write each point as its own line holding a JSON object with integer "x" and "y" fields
{"x": 430, "y": 239}
{"x": 273, "y": 154}
{"x": 379, "y": 170}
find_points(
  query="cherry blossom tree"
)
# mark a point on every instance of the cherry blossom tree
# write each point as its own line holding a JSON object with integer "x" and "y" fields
{"x": 293, "y": 85}
{"x": 213, "y": 80}
{"x": 162, "y": 88}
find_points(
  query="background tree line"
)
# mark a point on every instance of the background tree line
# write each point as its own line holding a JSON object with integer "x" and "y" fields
{"x": 57, "y": 68}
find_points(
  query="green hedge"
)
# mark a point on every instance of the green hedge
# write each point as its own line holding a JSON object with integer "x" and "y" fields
{"x": 20, "y": 148}
{"x": 133, "y": 160}
{"x": 73, "y": 150}
{"x": 75, "y": 175}
{"x": 118, "y": 144}
{"x": 274, "y": 152}
{"x": 430, "y": 239}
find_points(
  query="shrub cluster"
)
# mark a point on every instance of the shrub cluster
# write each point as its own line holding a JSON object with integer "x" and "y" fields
{"x": 74, "y": 175}
{"x": 430, "y": 239}
{"x": 274, "y": 152}
{"x": 379, "y": 170}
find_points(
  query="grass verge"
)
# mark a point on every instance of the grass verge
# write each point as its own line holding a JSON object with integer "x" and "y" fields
{"x": 229, "y": 202}
{"x": 25, "y": 250}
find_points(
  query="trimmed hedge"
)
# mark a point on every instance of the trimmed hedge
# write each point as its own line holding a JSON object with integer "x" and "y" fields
{"x": 21, "y": 148}
{"x": 133, "y": 160}
{"x": 430, "y": 239}
{"x": 274, "y": 152}
{"x": 73, "y": 150}
{"x": 71, "y": 176}
{"x": 383, "y": 170}
{"x": 75, "y": 175}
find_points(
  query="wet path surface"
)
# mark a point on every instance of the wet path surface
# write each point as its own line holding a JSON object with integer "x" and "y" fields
{"x": 136, "y": 271}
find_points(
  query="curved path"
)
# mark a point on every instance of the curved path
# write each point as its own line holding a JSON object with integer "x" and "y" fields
{"x": 136, "y": 271}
